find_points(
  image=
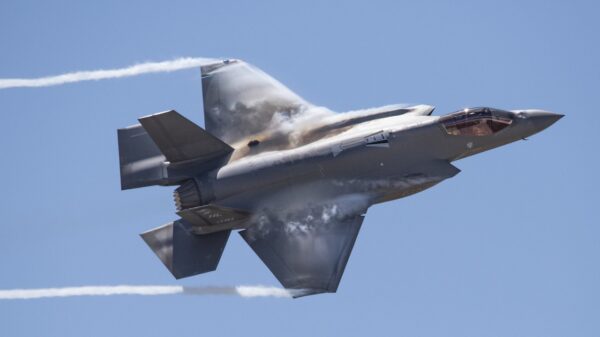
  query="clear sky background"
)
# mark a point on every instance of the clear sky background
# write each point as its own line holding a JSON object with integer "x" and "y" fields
{"x": 509, "y": 247}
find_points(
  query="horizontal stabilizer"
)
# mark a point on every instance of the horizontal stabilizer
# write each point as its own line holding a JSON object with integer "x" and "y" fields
{"x": 181, "y": 140}
{"x": 183, "y": 252}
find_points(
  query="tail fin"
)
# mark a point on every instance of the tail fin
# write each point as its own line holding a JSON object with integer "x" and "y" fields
{"x": 166, "y": 149}
{"x": 183, "y": 252}
{"x": 140, "y": 159}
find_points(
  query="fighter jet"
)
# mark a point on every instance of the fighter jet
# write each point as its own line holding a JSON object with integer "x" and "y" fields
{"x": 295, "y": 179}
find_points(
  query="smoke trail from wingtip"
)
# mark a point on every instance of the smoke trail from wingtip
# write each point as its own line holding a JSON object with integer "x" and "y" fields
{"x": 102, "y": 74}
{"x": 242, "y": 291}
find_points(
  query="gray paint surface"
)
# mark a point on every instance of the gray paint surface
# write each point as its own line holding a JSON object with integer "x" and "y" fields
{"x": 297, "y": 178}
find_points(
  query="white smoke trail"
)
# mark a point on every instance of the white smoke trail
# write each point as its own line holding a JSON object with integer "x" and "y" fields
{"x": 101, "y": 74}
{"x": 242, "y": 291}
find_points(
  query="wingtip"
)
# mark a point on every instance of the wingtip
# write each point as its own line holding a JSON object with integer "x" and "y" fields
{"x": 297, "y": 293}
{"x": 209, "y": 68}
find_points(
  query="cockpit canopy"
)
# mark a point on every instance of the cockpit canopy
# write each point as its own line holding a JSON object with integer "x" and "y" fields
{"x": 475, "y": 122}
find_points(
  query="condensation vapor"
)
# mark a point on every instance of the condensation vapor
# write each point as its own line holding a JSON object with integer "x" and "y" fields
{"x": 102, "y": 74}
{"x": 146, "y": 290}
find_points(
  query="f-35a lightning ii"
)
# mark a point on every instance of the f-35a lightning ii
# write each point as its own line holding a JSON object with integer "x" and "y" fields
{"x": 295, "y": 178}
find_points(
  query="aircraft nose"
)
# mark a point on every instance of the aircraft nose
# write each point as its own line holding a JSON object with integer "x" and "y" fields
{"x": 540, "y": 119}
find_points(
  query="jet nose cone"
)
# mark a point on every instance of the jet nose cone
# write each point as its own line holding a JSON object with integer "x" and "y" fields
{"x": 540, "y": 119}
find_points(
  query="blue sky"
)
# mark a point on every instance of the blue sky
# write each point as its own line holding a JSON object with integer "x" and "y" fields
{"x": 509, "y": 247}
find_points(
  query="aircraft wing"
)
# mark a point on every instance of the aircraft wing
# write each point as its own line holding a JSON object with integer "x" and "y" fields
{"x": 241, "y": 100}
{"x": 307, "y": 250}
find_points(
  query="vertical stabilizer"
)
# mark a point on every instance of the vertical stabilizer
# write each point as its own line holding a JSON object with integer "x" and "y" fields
{"x": 141, "y": 161}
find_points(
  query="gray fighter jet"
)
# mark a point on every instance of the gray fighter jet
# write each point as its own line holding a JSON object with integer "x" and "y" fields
{"x": 295, "y": 178}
